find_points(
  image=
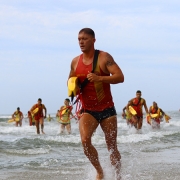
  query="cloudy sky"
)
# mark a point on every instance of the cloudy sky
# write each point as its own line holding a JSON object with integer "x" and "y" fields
{"x": 38, "y": 40}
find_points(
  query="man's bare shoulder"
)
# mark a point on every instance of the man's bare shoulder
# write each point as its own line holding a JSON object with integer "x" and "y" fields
{"x": 107, "y": 59}
{"x": 143, "y": 100}
{"x": 75, "y": 59}
{"x": 62, "y": 107}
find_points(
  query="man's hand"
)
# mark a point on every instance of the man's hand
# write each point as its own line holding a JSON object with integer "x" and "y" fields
{"x": 93, "y": 77}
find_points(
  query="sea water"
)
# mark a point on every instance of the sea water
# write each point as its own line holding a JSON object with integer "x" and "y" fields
{"x": 149, "y": 154}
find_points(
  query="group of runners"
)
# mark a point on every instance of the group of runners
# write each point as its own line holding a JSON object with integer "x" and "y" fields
{"x": 154, "y": 115}
{"x": 63, "y": 116}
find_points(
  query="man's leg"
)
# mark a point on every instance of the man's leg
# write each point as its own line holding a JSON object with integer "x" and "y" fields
{"x": 134, "y": 120}
{"x": 140, "y": 121}
{"x": 20, "y": 123}
{"x": 37, "y": 126}
{"x": 42, "y": 125}
{"x": 68, "y": 127}
{"x": 62, "y": 127}
{"x": 87, "y": 125}
{"x": 109, "y": 127}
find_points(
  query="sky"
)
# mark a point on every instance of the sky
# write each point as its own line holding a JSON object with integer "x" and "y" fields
{"x": 39, "y": 39}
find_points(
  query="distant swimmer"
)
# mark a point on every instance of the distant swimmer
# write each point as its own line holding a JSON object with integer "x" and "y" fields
{"x": 31, "y": 119}
{"x": 96, "y": 99}
{"x": 127, "y": 114}
{"x": 154, "y": 111}
{"x": 64, "y": 116}
{"x": 39, "y": 115}
{"x": 137, "y": 105}
{"x": 49, "y": 118}
{"x": 18, "y": 117}
{"x": 156, "y": 115}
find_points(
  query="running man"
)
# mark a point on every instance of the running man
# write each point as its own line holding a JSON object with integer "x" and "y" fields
{"x": 39, "y": 115}
{"x": 98, "y": 106}
{"x": 64, "y": 116}
{"x": 18, "y": 115}
{"x": 127, "y": 114}
{"x": 137, "y": 103}
{"x": 155, "y": 121}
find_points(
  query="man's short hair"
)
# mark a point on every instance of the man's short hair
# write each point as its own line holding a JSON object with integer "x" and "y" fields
{"x": 88, "y": 31}
{"x": 18, "y": 108}
{"x": 67, "y": 100}
{"x": 39, "y": 99}
{"x": 138, "y": 91}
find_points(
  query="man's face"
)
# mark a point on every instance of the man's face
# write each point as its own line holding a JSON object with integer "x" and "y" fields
{"x": 138, "y": 95}
{"x": 86, "y": 41}
{"x": 154, "y": 104}
{"x": 66, "y": 103}
{"x": 39, "y": 102}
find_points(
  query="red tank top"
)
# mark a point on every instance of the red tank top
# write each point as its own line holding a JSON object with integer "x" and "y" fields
{"x": 154, "y": 110}
{"x": 39, "y": 114}
{"x": 96, "y": 96}
{"x": 138, "y": 106}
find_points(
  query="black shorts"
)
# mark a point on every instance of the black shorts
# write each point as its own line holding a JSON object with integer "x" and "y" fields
{"x": 101, "y": 115}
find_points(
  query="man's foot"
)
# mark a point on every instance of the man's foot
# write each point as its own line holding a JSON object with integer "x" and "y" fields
{"x": 100, "y": 176}
{"x": 118, "y": 176}
{"x": 117, "y": 171}
{"x": 43, "y": 132}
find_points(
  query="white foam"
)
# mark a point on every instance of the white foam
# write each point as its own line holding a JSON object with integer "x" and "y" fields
{"x": 29, "y": 151}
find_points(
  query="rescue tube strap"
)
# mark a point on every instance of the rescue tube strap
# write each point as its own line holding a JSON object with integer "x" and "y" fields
{"x": 137, "y": 103}
{"x": 84, "y": 83}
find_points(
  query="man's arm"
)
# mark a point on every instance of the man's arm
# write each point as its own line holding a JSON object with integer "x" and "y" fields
{"x": 108, "y": 65}
{"x": 163, "y": 113}
{"x": 33, "y": 107}
{"x": 22, "y": 116}
{"x": 124, "y": 110}
{"x": 145, "y": 107}
{"x": 45, "y": 111}
{"x": 13, "y": 115}
{"x": 73, "y": 67}
{"x": 150, "y": 109}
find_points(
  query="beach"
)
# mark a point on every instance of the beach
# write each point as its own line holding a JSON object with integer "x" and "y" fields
{"x": 151, "y": 154}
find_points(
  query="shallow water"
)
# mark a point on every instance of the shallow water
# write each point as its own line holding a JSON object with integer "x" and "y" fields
{"x": 146, "y": 155}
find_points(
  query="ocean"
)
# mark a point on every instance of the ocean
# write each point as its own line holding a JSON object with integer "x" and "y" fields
{"x": 152, "y": 154}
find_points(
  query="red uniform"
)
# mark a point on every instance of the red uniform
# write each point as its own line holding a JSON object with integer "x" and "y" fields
{"x": 155, "y": 111}
{"x": 96, "y": 96}
{"x": 137, "y": 105}
{"x": 39, "y": 114}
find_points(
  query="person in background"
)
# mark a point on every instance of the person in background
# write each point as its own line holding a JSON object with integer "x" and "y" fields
{"x": 18, "y": 117}
{"x": 64, "y": 116}
{"x": 159, "y": 115}
{"x": 128, "y": 115}
{"x": 138, "y": 103}
{"x": 39, "y": 115}
{"x": 49, "y": 118}
{"x": 31, "y": 119}
{"x": 155, "y": 121}
{"x": 96, "y": 99}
